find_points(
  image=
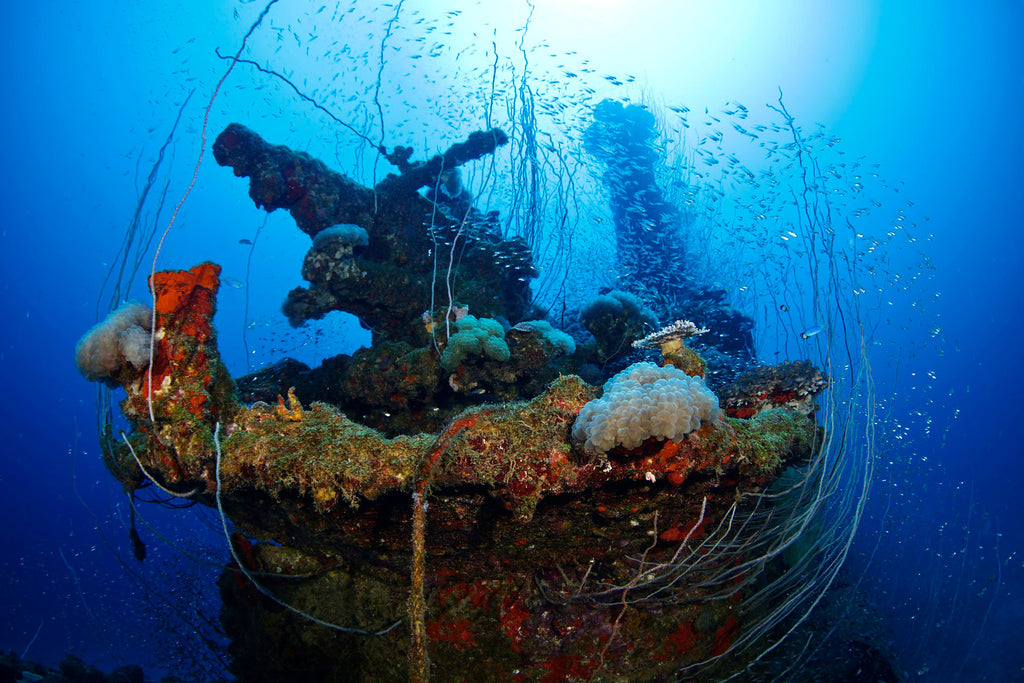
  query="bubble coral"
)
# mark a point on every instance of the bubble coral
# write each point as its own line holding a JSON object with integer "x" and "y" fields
{"x": 641, "y": 402}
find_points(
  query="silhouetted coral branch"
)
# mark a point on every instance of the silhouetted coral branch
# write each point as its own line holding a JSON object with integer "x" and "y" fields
{"x": 417, "y": 175}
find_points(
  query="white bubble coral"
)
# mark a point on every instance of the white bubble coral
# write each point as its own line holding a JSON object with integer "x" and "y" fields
{"x": 644, "y": 401}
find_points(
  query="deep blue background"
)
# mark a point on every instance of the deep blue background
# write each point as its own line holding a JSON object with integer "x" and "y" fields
{"x": 936, "y": 98}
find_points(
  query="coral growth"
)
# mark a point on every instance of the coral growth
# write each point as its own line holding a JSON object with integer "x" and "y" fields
{"x": 117, "y": 344}
{"x": 616, "y": 319}
{"x": 474, "y": 337}
{"x": 187, "y": 388}
{"x": 645, "y": 402}
{"x": 670, "y": 341}
{"x": 508, "y": 489}
{"x": 385, "y": 277}
{"x": 558, "y": 517}
{"x": 282, "y": 179}
{"x": 793, "y": 385}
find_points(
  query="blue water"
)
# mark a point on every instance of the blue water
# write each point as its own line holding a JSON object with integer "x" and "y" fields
{"x": 933, "y": 93}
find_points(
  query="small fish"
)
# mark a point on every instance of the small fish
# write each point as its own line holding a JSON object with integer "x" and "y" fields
{"x": 245, "y": 241}
{"x": 810, "y": 332}
{"x": 232, "y": 282}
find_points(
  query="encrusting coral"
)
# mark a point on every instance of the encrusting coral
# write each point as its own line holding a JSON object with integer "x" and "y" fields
{"x": 793, "y": 385}
{"x": 386, "y": 281}
{"x": 550, "y": 500}
{"x": 615, "y": 319}
{"x": 327, "y": 487}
